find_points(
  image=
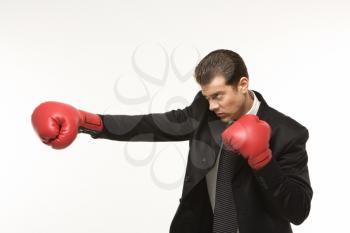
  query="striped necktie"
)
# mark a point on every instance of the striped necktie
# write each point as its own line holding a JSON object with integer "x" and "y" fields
{"x": 225, "y": 214}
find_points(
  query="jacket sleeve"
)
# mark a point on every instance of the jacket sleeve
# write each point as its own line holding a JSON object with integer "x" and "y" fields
{"x": 174, "y": 125}
{"x": 285, "y": 182}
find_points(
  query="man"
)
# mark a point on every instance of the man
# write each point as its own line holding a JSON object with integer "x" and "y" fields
{"x": 247, "y": 164}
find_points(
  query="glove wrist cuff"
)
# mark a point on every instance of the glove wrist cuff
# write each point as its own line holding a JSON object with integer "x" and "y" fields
{"x": 90, "y": 123}
{"x": 261, "y": 160}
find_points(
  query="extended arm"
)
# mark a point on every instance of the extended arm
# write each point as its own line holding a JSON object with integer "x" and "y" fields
{"x": 57, "y": 124}
{"x": 174, "y": 125}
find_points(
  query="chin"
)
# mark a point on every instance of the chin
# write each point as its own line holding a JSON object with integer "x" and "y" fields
{"x": 225, "y": 119}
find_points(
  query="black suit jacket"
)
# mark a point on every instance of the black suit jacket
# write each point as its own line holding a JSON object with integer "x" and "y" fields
{"x": 267, "y": 200}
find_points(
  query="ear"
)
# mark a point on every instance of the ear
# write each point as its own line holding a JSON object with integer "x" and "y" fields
{"x": 243, "y": 85}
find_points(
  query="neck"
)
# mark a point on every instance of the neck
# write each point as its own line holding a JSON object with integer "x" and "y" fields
{"x": 249, "y": 102}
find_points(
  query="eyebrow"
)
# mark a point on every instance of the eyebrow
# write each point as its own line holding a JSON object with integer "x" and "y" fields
{"x": 215, "y": 93}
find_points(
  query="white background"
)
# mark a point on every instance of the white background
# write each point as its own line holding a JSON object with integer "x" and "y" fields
{"x": 75, "y": 51}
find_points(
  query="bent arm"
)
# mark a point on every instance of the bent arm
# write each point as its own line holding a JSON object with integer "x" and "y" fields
{"x": 285, "y": 181}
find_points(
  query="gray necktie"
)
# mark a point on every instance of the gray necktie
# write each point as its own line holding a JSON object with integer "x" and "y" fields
{"x": 225, "y": 214}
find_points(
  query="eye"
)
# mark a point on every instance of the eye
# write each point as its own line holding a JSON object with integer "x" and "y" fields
{"x": 214, "y": 96}
{"x": 218, "y": 96}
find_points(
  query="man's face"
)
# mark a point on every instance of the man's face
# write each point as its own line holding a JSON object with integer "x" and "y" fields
{"x": 227, "y": 101}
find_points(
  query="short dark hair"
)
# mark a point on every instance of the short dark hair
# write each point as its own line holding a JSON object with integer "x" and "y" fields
{"x": 223, "y": 62}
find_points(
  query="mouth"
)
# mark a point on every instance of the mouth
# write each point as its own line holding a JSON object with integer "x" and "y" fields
{"x": 220, "y": 114}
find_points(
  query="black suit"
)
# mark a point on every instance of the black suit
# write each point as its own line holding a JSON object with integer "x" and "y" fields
{"x": 267, "y": 200}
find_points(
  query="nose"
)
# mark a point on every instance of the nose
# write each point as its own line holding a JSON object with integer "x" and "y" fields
{"x": 213, "y": 105}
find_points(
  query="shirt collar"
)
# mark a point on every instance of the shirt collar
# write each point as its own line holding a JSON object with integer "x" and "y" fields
{"x": 256, "y": 103}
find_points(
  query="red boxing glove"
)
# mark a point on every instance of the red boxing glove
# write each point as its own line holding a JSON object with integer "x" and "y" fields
{"x": 250, "y": 137}
{"x": 57, "y": 124}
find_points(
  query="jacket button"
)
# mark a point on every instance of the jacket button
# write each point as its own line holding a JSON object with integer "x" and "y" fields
{"x": 187, "y": 178}
{"x": 204, "y": 159}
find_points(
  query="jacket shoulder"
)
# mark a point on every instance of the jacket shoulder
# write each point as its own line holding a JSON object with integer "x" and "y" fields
{"x": 199, "y": 105}
{"x": 286, "y": 131}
